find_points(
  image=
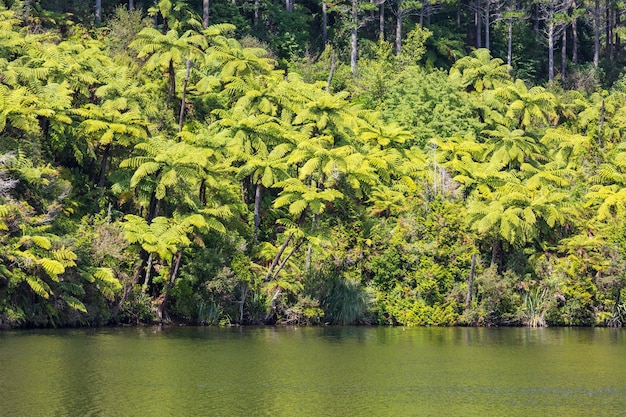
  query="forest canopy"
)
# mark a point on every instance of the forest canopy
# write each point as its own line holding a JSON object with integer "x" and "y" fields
{"x": 398, "y": 163}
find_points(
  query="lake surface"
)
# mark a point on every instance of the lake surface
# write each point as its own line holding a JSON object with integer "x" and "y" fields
{"x": 315, "y": 371}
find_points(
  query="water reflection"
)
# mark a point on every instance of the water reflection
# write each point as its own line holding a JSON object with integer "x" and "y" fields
{"x": 320, "y": 371}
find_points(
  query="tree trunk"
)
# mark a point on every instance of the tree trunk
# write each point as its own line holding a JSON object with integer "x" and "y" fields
{"x": 563, "y": 56}
{"x": 289, "y": 5}
{"x": 172, "y": 82}
{"x": 574, "y": 36}
{"x": 272, "y": 308}
{"x": 399, "y": 28}
{"x": 487, "y": 24}
{"x": 284, "y": 261}
{"x": 162, "y": 309}
{"x": 276, "y": 259}
{"x": 494, "y": 251}
{"x": 146, "y": 281}
{"x": 98, "y": 11}
{"x": 596, "y": 34}
{"x": 353, "y": 37}
{"x": 131, "y": 5}
{"x": 181, "y": 117}
{"x": 470, "y": 283}
{"x": 205, "y": 13}
{"x": 257, "y": 211}
{"x": 242, "y": 302}
{"x": 509, "y": 51}
{"x": 551, "y": 51}
{"x": 381, "y": 22}
{"x": 478, "y": 19}
{"x": 609, "y": 30}
{"x": 324, "y": 23}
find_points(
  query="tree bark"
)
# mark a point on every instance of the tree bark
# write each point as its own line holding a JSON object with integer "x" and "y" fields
{"x": 574, "y": 36}
{"x": 509, "y": 51}
{"x": 596, "y": 34}
{"x": 242, "y": 302}
{"x": 146, "y": 281}
{"x": 205, "y": 13}
{"x": 172, "y": 82}
{"x": 399, "y": 28}
{"x": 470, "y": 283}
{"x": 324, "y": 23}
{"x": 478, "y": 20}
{"x": 550, "y": 51}
{"x": 257, "y": 211}
{"x": 162, "y": 309}
{"x": 272, "y": 308}
{"x": 131, "y": 5}
{"x": 270, "y": 270}
{"x": 98, "y": 11}
{"x": 487, "y": 24}
{"x": 381, "y": 22}
{"x": 353, "y": 37}
{"x": 563, "y": 56}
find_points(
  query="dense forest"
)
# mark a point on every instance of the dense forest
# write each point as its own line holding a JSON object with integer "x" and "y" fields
{"x": 367, "y": 162}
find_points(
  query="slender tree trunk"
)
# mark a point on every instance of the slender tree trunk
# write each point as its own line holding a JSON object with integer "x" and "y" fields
{"x": 162, "y": 309}
{"x": 381, "y": 22}
{"x": 494, "y": 251}
{"x": 172, "y": 81}
{"x": 131, "y": 5}
{"x": 181, "y": 117}
{"x": 257, "y": 211}
{"x": 609, "y": 30}
{"x": 470, "y": 283}
{"x": 272, "y": 307}
{"x": 282, "y": 264}
{"x": 98, "y": 11}
{"x": 399, "y": 28}
{"x": 270, "y": 270}
{"x": 353, "y": 37}
{"x": 205, "y": 13}
{"x": 242, "y": 302}
{"x": 478, "y": 19}
{"x": 146, "y": 281}
{"x": 324, "y": 22}
{"x": 289, "y": 5}
{"x": 563, "y": 56}
{"x": 487, "y": 24}
{"x": 596, "y": 34}
{"x": 574, "y": 36}
{"x": 551, "y": 51}
{"x": 509, "y": 51}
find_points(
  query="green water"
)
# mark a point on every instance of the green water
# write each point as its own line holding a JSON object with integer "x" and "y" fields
{"x": 320, "y": 371}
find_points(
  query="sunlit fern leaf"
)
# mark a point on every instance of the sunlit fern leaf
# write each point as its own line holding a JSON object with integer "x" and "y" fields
{"x": 74, "y": 303}
{"x": 38, "y": 286}
{"x": 42, "y": 242}
{"x": 106, "y": 276}
{"x": 64, "y": 254}
{"x": 52, "y": 267}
